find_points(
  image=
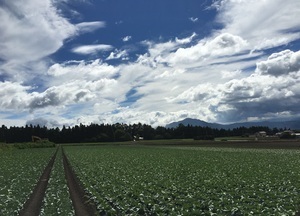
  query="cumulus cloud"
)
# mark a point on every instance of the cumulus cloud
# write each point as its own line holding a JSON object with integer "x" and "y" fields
{"x": 80, "y": 70}
{"x": 92, "y": 81}
{"x": 230, "y": 74}
{"x": 51, "y": 97}
{"x": 280, "y": 63}
{"x": 76, "y": 91}
{"x": 270, "y": 91}
{"x": 91, "y": 49}
{"x": 14, "y": 96}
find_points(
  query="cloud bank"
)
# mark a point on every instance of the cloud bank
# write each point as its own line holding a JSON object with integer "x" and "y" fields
{"x": 231, "y": 75}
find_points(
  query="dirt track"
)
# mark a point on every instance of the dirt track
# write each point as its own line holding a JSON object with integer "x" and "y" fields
{"x": 82, "y": 206}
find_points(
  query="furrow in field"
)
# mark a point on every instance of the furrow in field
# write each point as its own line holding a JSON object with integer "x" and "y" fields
{"x": 82, "y": 205}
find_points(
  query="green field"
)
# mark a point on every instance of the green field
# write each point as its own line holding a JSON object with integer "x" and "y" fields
{"x": 176, "y": 180}
{"x": 159, "y": 178}
{"x": 20, "y": 170}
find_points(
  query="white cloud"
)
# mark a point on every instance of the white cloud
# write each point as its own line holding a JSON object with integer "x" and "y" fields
{"x": 86, "y": 27}
{"x": 221, "y": 45}
{"x": 280, "y": 63}
{"x": 91, "y": 49}
{"x": 230, "y": 74}
{"x": 259, "y": 94}
{"x": 42, "y": 29}
{"x": 118, "y": 54}
{"x": 264, "y": 24}
{"x": 127, "y": 38}
{"x": 186, "y": 40}
{"x": 30, "y": 33}
{"x": 212, "y": 78}
{"x": 194, "y": 19}
{"x": 14, "y": 96}
{"x": 38, "y": 18}
{"x": 77, "y": 91}
{"x": 163, "y": 94}
{"x": 80, "y": 70}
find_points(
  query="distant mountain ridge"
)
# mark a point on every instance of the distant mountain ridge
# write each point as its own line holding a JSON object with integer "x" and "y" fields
{"x": 293, "y": 124}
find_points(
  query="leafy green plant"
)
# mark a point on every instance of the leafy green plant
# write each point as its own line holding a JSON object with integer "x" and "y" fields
{"x": 188, "y": 180}
{"x": 19, "y": 173}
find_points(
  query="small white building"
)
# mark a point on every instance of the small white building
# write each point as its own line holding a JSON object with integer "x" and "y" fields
{"x": 261, "y": 134}
{"x": 297, "y": 135}
{"x": 136, "y": 138}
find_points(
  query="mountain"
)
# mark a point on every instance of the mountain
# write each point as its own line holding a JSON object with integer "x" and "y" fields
{"x": 293, "y": 124}
{"x": 194, "y": 122}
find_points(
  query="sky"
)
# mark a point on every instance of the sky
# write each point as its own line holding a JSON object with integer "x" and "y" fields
{"x": 69, "y": 62}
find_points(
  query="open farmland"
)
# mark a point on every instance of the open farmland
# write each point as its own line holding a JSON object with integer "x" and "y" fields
{"x": 135, "y": 179}
{"x": 20, "y": 170}
{"x": 188, "y": 180}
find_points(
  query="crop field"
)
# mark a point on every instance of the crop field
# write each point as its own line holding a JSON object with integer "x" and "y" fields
{"x": 135, "y": 180}
{"x": 19, "y": 172}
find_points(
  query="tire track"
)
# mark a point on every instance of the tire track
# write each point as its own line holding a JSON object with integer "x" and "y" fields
{"x": 82, "y": 205}
{"x": 32, "y": 206}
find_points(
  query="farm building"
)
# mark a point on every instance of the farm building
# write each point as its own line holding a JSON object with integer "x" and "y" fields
{"x": 261, "y": 134}
{"x": 287, "y": 134}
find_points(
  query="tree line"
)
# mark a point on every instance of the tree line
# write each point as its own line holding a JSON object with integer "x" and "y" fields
{"x": 121, "y": 132}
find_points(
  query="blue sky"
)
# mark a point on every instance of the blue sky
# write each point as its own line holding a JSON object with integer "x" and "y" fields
{"x": 65, "y": 62}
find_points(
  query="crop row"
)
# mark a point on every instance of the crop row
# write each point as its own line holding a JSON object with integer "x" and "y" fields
{"x": 57, "y": 198}
{"x": 202, "y": 181}
{"x": 19, "y": 172}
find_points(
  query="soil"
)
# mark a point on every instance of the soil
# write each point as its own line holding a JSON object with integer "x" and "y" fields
{"x": 81, "y": 204}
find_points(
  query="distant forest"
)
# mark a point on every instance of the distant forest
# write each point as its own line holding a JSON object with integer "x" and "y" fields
{"x": 121, "y": 132}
